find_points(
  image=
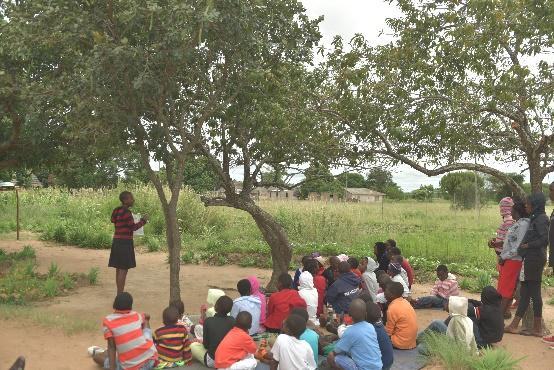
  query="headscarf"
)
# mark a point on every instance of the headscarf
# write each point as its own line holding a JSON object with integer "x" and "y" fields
{"x": 490, "y": 296}
{"x": 460, "y": 326}
{"x": 255, "y": 291}
{"x": 395, "y": 268}
{"x": 213, "y": 296}
{"x": 371, "y": 264}
{"x": 342, "y": 257}
{"x": 506, "y": 205}
{"x": 538, "y": 203}
{"x": 309, "y": 294}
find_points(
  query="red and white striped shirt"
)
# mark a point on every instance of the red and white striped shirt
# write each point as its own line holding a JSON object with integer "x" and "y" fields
{"x": 133, "y": 348}
{"x": 124, "y": 223}
{"x": 445, "y": 288}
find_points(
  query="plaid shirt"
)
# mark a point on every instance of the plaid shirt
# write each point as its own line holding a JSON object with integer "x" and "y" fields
{"x": 446, "y": 288}
{"x": 124, "y": 223}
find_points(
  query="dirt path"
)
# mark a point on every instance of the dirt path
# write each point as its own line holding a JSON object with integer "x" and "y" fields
{"x": 49, "y": 348}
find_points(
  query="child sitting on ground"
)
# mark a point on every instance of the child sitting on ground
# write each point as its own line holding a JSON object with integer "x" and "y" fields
{"x": 281, "y": 302}
{"x": 299, "y": 270}
{"x": 383, "y": 279}
{"x": 172, "y": 341}
{"x": 396, "y": 254}
{"x": 309, "y": 336}
{"x": 354, "y": 265}
{"x": 236, "y": 350}
{"x": 394, "y": 273}
{"x": 358, "y": 348}
{"x": 373, "y": 317}
{"x": 289, "y": 352}
{"x": 215, "y": 329}
{"x": 369, "y": 279}
{"x": 445, "y": 287}
{"x": 248, "y": 303}
{"x": 488, "y": 317}
{"x": 401, "y": 318}
{"x": 129, "y": 338}
{"x": 184, "y": 319}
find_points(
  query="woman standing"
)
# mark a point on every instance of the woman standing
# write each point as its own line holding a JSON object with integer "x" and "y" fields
{"x": 509, "y": 259}
{"x": 533, "y": 251}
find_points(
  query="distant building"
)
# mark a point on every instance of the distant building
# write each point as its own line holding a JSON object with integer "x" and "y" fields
{"x": 265, "y": 193}
{"x": 363, "y": 195}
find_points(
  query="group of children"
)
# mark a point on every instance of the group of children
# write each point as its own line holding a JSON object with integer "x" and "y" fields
{"x": 351, "y": 313}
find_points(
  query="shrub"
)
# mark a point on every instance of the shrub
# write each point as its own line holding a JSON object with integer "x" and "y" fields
{"x": 446, "y": 351}
{"x": 51, "y": 287}
{"x": 53, "y": 270}
{"x": 495, "y": 359}
{"x": 92, "y": 275}
{"x": 68, "y": 282}
{"x": 26, "y": 253}
{"x": 484, "y": 279}
{"x": 152, "y": 243}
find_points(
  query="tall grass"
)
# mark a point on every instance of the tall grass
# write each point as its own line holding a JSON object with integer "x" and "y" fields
{"x": 430, "y": 230}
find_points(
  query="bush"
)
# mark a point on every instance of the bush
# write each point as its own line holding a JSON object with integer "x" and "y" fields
{"x": 495, "y": 359}
{"x": 51, "y": 287}
{"x": 484, "y": 279}
{"x": 92, "y": 275}
{"x": 152, "y": 243}
{"x": 53, "y": 270}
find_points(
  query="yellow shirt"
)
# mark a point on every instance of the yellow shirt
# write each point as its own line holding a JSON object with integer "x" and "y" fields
{"x": 401, "y": 324}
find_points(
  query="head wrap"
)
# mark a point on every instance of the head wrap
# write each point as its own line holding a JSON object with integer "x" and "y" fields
{"x": 343, "y": 257}
{"x": 538, "y": 203}
{"x": 460, "y": 326}
{"x": 395, "y": 268}
{"x": 255, "y": 291}
{"x": 506, "y": 205}
{"x": 490, "y": 296}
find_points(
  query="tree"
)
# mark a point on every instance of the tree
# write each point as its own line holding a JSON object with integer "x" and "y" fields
{"x": 351, "y": 180}
{"x": 461, "y": 82}
{"x": 173, "y": 79}
{"x": 200, "y": 176}
{"x": 319, "y": 179}
{"x": 459, "y": 187}
{"x": 424, "y": 193}
{"x": 380, "y": 179}
{"x": 498, "y": 189}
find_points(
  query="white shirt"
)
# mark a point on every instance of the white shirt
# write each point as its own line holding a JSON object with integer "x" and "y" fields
{"x": 293, "y": 354}
{"x": 308, "y": 292}
{"x": 398, "y": 279}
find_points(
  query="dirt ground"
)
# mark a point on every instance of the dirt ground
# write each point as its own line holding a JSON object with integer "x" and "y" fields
{"x": 50, "y": 348}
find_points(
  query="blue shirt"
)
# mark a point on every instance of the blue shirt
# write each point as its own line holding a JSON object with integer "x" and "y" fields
{"x": 249, "y": 304}
{"x": 312, "y": 338}
{"x": 360, "y": 343}
{"x": 385, "y": 345}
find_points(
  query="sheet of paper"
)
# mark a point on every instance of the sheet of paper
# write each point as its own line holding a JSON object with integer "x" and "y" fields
{"x": 138, "y": 232}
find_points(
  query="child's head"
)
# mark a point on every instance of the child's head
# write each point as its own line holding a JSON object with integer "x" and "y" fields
{"x": 123, "y": 302}
{"x": 393, "y": 290}
{"x": 366, "y": 297}
{"x": 357, "y": 310}
{"x": 179, "y": 305}
{"x": 390, "y": 243}
{"x": 294, "y": 326}
{"x": 344, "y": 267}
{"x": 311, "y": 266}
{"x": 373, "y": 313}
{"x": 442, "y": 272}
{"x": 490, "y": 296}
{"x": 519, "y": 210}
{"x": 397, "y": 259}
{"x": 383, "y": 279}
{"x": 394, "y": 269}
{"x": 223, "y": 305}
{"x": 334, "y": 263}
{"x": 170, "y": 316}
{"x": 126, "y": 198}
{"x": 284, "y": 281}
{"x": 244, "y": 320}
{"x": 457, "y": 305}
{"x": 244, "y": 287}
{"x": 363, "y": 264}
{"x": 394, "y": 251}
{"x": 300, "y": 312}
{"x": 353, "y": 262}
{"x": 305, "y": 259}
{"x": 379, "y": 249}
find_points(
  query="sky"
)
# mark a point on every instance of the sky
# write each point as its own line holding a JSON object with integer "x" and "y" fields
{"x": 368, "y": 17}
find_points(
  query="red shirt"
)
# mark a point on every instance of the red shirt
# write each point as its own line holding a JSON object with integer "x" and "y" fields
{"x": 279, "y": 306}
{"x": 124, "y": 223}
{"x": 409, "y": 271}
{"x": 320, "y": 283}
{"x": 236, "y": 345}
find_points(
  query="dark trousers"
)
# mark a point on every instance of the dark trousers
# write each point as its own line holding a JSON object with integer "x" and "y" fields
{"x": 530, "y": 290}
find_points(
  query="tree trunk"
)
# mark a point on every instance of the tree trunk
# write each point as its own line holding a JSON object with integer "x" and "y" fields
{"x": 276, "y": 236}
{"x": 536, "y": 175}
{"x": 174, "y": 248}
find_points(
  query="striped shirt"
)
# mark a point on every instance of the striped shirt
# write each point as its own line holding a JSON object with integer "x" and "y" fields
{"x": 502, "y": 231}
{"x": 124, "y": 223}
{"x": 173, "y": 344}
{"x": 133, "y": 348}
{"x": 445, "y": 288}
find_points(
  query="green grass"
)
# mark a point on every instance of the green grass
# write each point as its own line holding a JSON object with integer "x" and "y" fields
{"x": 454, "y": 355}
{"x": 432, "y": 232}
{"x": 92, "y": 275}
{"x": 38, "y": 316}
